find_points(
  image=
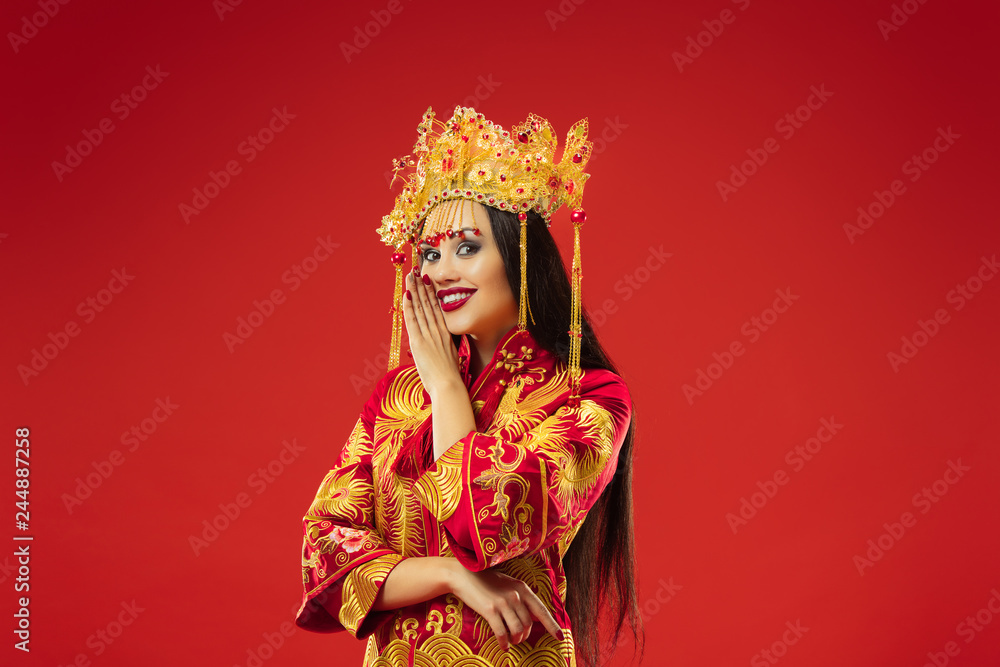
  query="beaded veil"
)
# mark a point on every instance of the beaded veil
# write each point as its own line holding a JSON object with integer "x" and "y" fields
{"x": 469, "y": 157}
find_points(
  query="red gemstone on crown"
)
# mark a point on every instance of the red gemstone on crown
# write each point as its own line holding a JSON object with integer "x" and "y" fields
{"x": 522, "y": 137}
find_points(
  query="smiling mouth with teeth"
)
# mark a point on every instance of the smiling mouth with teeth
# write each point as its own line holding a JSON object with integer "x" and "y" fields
{"x": 455, "y": 300}
{"x": 458, "y": 296}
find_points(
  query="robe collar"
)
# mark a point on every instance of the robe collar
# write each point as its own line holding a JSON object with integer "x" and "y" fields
{"x": 511, "y": 354}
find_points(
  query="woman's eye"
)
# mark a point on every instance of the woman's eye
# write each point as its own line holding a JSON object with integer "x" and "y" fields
{"x": 430, "y": 254}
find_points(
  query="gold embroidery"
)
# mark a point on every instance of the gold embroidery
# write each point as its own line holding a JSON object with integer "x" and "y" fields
{"x": 336, "y": 496}
{"x": 517, "y": 412}
{"x": 452, "y": 616}
{"x": 360, "y": 588}
{"x": 404, "y": 411}
{"x": 445, "y": 650}
{"x": 441, "y": 489}
{"x": 513, "y": 362}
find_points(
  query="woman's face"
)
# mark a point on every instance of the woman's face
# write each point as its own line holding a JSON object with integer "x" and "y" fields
{"x": 468, "y": 264}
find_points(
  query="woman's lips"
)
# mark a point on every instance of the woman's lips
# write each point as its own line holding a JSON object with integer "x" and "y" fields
{"x": 454, "y": 305}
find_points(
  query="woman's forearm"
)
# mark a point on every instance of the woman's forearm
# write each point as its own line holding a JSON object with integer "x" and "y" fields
{"x": 415, "y": 580}
{"x": 451, "y": 416}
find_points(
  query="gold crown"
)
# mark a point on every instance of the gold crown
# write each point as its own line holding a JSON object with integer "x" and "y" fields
{"x": 473, "y": 158}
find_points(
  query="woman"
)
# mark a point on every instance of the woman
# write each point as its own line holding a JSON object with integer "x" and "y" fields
{"x": 480, "y": 513}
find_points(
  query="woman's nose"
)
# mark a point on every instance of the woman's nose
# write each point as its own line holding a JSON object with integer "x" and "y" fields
{"x": 444, "y": 270}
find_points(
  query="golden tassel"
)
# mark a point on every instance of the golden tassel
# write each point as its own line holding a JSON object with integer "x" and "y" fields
{"x": 395, "y": 340}
{"x": 575, "y": 333}
{"x": 522, "y": 309}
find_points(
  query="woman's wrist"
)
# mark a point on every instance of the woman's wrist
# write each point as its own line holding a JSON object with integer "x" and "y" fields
{"x": 448, "y": 573}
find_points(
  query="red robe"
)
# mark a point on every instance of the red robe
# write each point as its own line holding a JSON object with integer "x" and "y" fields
{"x": 510, "y": 494}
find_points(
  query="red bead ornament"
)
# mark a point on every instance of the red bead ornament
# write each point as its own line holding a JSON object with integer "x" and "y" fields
{"x": 577, "y": 158}
{"x": 578, "y": 217}
{"x": 522, "y": 137}
{"x": 450, "y": 233}
{"x": 522, "y": 216}
{"x": 397, "y": 258}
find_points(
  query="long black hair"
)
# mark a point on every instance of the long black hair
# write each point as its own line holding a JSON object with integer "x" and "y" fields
{"x": 600, "y": 563}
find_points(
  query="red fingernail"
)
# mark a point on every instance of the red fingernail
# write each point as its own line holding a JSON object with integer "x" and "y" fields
{"x": 426, "y": 279}
{"x": 409, "y": 296}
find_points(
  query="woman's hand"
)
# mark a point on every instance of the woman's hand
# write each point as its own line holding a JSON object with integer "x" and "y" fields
{"x": 507, "y": 604}
{"x": 434, "y": 354}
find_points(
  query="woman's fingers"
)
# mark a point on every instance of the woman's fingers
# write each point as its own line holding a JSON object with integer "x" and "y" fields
{"x": 420, "y": 303}
{"x": 541, "y": 612}
{"x": 414, "y": 309}
{"x": 513, "y": 622}
{"x": 439, "y": 315}
{"x": 524, "y": 616}
{"x": 499, "y": 629}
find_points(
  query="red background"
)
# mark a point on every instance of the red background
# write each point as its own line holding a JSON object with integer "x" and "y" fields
{"x": 669, "y": 137}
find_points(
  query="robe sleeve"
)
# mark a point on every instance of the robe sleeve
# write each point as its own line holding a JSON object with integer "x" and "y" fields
{"x": 498, "y": 499}
{"x": 345, "y": 559}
